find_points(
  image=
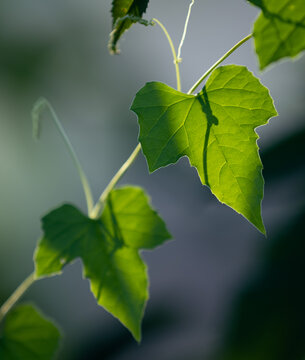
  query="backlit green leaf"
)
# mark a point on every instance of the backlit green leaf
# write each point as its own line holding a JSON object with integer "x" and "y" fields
{"x": 215, "y": 129}
{"x": 109, "y": 248}
{"x": 124, "y": 14}
{"x": 279, "y": 31}
{"x": 27, "y": 335}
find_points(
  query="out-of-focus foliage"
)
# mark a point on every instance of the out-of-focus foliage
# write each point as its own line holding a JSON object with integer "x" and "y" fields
{"x": 27, "y": 335}
{"x": 268, "y": 320}
{"x": 279, "y": 31}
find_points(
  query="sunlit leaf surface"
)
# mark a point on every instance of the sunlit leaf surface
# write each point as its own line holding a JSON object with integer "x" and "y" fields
{"x": 215, "y": 129}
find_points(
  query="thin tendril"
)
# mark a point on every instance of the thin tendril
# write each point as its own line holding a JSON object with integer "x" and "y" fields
{"x": 176, "y": 62}
{"x": 39, "y": 106}
{"x": 184, "y": 31}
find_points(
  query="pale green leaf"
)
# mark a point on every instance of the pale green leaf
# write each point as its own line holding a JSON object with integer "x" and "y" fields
{"x": 109, "y": 248}
{"x": 215, "y": 129}
{"x": 28, "y": 335}
{"x": 279, "y": 31}
{"x": 124, "y": 14}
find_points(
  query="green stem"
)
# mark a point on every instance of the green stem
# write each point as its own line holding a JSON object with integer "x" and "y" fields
{"x": 227, "y": 54}
{"x": 176, "y": 61}
{"x": 98, "y": 207}
{"x": 184, "y": 31}
{"x": 11, "y": 301}
{"x": 37, "y": 109}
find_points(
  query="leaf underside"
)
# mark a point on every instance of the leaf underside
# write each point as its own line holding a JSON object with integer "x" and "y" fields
{"x": 131, "y": 11}
{"x": 279, "y": 31}
{"x": 215, "y": 129}
{"x": 109, "y": 249}
{"x": 27, "y": 335}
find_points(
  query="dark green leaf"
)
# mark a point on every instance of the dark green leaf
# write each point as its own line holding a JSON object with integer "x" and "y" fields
{"x": 124, "y": 14}
{"x": 109, "y": 248}
{"x": 268, "y": 319}
{"x": 279, "y": 31}
{"x": 27, "y": 335}
{"x": 215, "y": 129}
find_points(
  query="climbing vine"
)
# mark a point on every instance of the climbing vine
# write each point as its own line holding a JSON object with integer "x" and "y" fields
{"x": 214, "y": 128}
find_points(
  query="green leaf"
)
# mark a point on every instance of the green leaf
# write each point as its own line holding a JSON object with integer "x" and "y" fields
{"x": 109, "y": 248}
{"x": 28, "y": 335}
{"x": 215, "y": 129}
{"x": 279, "y": 31}
{"x": 124, "y": 14}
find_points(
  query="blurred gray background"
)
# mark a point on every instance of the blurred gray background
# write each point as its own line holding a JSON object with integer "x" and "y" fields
{"x": 58, "y": 49}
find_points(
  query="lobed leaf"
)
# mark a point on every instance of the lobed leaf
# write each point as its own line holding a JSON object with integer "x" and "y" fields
{"x": 124, "y": 14}
{"x": 109, "y": 248}
{"x": 28, "y": 335}
{"x": 279, "y": 31}
{"x": 215, "y": 129}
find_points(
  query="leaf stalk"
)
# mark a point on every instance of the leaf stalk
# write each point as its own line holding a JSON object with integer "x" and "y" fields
{"x": 11, "y": 301}
{"x": 227, "y": 54}
{"x": 95, "y": 213}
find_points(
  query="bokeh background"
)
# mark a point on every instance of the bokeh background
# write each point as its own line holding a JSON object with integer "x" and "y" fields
{"x": 219, "y": 290}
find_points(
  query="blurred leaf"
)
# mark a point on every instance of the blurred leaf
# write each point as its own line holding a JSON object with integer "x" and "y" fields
{"x": 27, "y": 335}
{"x": 215, "y": 129}
{"x": 268, "y": 322}
{"x": 109, "y": 248}
{"x": 124, "y": 14}
{"x": 285, "y": 156}
{"x": 280, "y": 30}
{"x": 23, "y": 62}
